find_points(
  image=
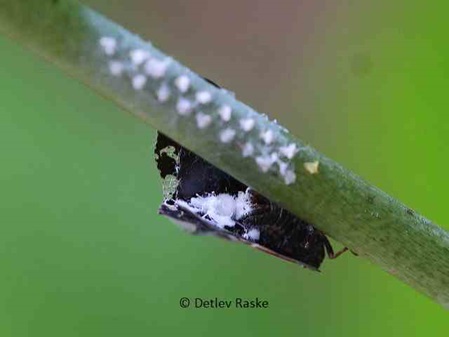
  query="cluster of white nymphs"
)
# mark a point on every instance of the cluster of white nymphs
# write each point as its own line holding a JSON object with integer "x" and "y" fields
{"x": 271, "y": 151}
{"x": 223, "y": 210}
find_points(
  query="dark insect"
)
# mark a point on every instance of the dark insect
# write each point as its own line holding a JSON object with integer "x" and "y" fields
{"x": 206, "y": 200}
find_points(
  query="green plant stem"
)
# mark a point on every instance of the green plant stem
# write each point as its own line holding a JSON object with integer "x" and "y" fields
{"x": 360, "y": 216}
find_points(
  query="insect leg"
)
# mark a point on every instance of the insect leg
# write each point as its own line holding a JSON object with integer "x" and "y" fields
{"x": 330, "y": 250}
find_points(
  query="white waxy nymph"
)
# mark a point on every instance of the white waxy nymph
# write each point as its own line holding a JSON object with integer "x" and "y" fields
{"x": 247, "y": 124}
{"x": 227, "y": 135}
{"x": 289, "y": 150}
{"x": 156, "y": 68}
{"x": 282, "y": 167}
{"x": 267, "y": 136}
{"x": 163, "y": 93}
{"x": 289, "y": 177}
{"x": 138, "y": 56}
{"x": 225, "y": 112}
{"x": 109, "y": 45}
{"x": 265, "y": 162}
{"x": 182, "y": 83}
{"x": 203, "y": 97}
{"x": 184, "y": 106}
{"x": 247, "y": 150}
{"x": 116, "y": 68}
{"x": 203, "y": 120}
{"x": 138, "y": 81}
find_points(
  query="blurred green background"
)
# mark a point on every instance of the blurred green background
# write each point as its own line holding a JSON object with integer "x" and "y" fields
{"x": 82, "y": 250}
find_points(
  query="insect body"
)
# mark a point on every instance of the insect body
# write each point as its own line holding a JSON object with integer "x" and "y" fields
{"x": 206, "y": 200}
